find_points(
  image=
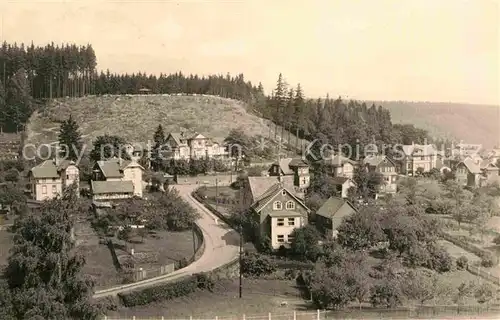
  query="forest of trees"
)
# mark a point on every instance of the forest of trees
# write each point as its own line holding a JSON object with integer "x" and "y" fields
{"x": 31, "y": 74}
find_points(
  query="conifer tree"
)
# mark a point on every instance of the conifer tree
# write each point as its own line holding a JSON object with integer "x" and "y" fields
{"x": 70, "y": 139}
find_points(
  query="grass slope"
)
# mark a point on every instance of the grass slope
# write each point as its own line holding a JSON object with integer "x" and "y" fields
{"x": 135, "y": 118}
{"x": 468, "y": 122}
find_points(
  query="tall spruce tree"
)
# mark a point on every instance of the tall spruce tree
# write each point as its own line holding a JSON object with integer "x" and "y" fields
{"x": 44, "y": 278}
{"x": 70, "y": 139}
{"x": 159, "y": 139}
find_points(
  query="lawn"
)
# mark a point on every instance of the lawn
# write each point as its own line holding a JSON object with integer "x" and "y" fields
{"x": 159, "y": 249}
{"x": 225, "y": 194}
{"x": 258, "y": 299}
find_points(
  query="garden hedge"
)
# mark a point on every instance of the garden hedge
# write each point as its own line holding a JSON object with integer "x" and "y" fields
{"x": 162, "y": 292}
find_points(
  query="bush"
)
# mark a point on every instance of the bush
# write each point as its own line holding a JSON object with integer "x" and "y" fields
{"x": 462, "y": 262}
{"x": 255, "y": 265}
{"x": 387, "y": 293}
{"x": 159, "y": 293}
{"x": 205, "y": 282}
{"x": 487, "y": 261}
{"x": 440, "y": 260}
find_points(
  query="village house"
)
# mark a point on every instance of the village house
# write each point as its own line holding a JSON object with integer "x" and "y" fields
{"x": 194, "y": 146}
{"x": 417, "y": 156}
{"x": 489, "y": 171}
{"x": 297, "y": 168}
{"x": 340, "y": 166}
{"x": 331, "y": 214}
{"x": 116, "y": 179}
{"x": 386, "y": 167}
{"x": 342, "y": 185}
{"x": 48, "y": 179}
{"x": 492, "y": 155}
{"x": 278, "y": 212}
{"x": 468, "y": 173}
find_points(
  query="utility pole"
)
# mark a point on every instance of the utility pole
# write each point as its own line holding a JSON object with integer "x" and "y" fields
{"x": 241, "y": 242}
{"x": 216, "y": 194}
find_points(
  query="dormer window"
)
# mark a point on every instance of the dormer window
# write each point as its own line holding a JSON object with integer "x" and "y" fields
{"x": 277, "y": 205}
{"x": 290, "y": 205}
{"x": 283, "y": 192}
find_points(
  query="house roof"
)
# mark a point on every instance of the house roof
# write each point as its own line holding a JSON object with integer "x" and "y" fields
{"x": 376, "y": 160}
{"x": 340, "y": 180}
{"x": 105, "y": 187}
{"x": 427, "y": 149}
{"x": 487, "y": 165}
{"x": 272, "y": 192}
{"x": 114, "y": 168}
{"x": 338, "y": 160}
{"x": 259, "y": 185}
{"x": 335, "y": 206}
{"x": 471, "y": 166}
{"x": 284, "y": 214}
{"x": 49, "y": 169}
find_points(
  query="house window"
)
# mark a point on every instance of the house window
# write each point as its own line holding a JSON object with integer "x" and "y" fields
{"x": 387, "y": 179}
{"x": 283, "y": 192}
{"x": 291, "y": 221}
{"x": 281, "y": 238}
{"x": 290, "y": 205}
{"x": 277, "y": 205}
{"x": 281, "y": 222}
{"x": 290, "y": 238}
{"x": 67, "y": 177}
{"x": 53, "y": 179}
{"x": 422, "y": 158}
{"x": 44, "y": 189}
{"x": 54, "y": 189}
{"x": 409, "y": 165}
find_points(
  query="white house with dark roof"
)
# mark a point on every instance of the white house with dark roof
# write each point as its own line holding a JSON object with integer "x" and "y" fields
{"x": 117, "y": 179}
{"x": 48, "y": 179}
{"x": 187, "y": 146}
{"x": 297, "y": 168}
{"x": 387, "y": 168}
{"x": 340, "y": 166}
{"x": 342, "y": 185}
{"x": 417, "y": 156}
{"x": 278, "y": 212}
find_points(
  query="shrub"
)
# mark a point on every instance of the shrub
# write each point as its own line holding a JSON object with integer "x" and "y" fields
{"x": 255, "y": 265}
{"x": 158, "y": 293}
{"x": 387, "y": 293}
{"x": 487, "y": 261}
{"x": 205, "y": 282}
{"x": 462, "y": 262}
{"x": 440, "y": 260}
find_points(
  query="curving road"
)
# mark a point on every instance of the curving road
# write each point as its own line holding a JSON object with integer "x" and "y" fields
{"x": 221, "y": 247}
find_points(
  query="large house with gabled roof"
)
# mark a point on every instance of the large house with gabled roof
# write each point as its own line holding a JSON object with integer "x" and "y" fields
{"x": 186, "y": 146}
{"x": 48, "y": 179}
{"x": 417, "y": 157}
{"x": 278, "y": 212}
{"x": 331, "y": 214}
{"x": 116, "y": 179}
{"x": 468, "y": 173}
{"x": 340, "y": 166}
{"x": 295, "y": 167}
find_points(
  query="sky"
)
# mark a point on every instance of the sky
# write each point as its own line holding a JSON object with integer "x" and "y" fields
{"x": 420, "y": 50}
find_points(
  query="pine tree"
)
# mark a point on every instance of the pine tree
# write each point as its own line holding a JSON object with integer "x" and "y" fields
{"x": 159, "y": 136}
{"x": 280, "y": 102}
{"x": 70, "y": 140}
{"x": 299, "y": 113}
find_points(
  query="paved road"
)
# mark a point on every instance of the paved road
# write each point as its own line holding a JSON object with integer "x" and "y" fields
{"x": 221, "y": 247}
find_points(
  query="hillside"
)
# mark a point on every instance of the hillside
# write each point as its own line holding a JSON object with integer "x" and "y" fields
{"x": 135, "y": 117}
{"x": 468, "y": 122}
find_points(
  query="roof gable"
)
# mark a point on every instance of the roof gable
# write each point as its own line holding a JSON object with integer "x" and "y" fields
{"x": 111, "y": 168}
{"x": 470, "y": 165}
{"x": 269, "y": 195}
{"x": 335, "y": 206}
{"x": 259, "y": 185}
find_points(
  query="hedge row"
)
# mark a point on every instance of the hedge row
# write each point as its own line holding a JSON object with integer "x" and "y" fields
{"x": 465, "y": 245}
{"x": 162, "y": 292}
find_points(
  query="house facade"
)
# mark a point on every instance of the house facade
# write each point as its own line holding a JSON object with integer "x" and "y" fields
{"x": 278, "y": 213}
{"x": 48, "y": 179}
{"x": 386, "y": 167}
{"x": 416, "y": 156}
{"x": 297, "y": 168}
{"x": 468, "y": 173}
{"x": 342, "y": 185}
{"x": 331, "y": 214}
{"x": 340, "y": 166}
{"x": 117, "y": 179}
{"x": 489, "y": 171}
{"x": 184, "y": 146}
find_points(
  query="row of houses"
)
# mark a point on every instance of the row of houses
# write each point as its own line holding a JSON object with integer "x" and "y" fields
{"x": 277, "y": 201}
{"x": 111, "y": 180}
